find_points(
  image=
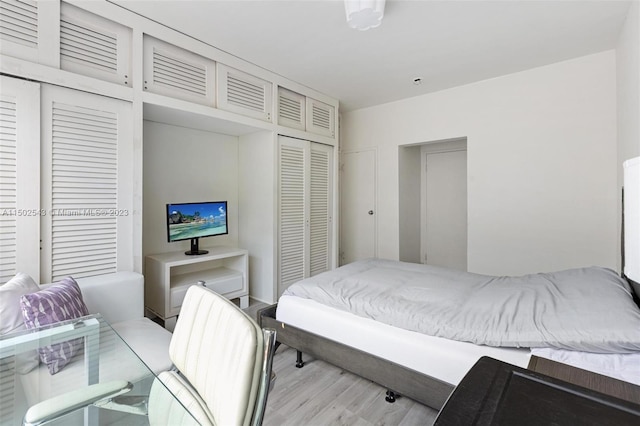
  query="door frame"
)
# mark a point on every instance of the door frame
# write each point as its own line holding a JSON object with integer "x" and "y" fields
{"x": 438, "y": 147}
{"x": 374, "y": 150}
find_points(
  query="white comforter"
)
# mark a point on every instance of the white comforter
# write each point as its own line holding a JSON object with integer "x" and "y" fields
{"x": 586, "y": 309}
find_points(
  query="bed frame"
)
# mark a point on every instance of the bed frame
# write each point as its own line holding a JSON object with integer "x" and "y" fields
{"x": 397, "y": 379}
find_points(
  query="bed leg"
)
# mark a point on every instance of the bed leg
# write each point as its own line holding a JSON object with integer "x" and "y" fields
{"x": 299, "y": 363}
{"x": 391, "y": 396}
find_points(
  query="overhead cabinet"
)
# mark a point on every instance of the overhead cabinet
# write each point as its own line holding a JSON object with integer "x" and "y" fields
{"x": 244, "y": 93}
{"x": 305, "y": 197}
{"x": 320, "y": 118}
{"x": 291, "y": 109}
{"x": 80, "y": 42}
{"x": 27, "y": 30}
{"x": 172, "y": 71}
{"x": 304, "y": 113}
{"x": 94, "y": 46}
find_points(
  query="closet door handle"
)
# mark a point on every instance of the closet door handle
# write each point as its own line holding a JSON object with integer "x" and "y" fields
{"x": 370, "y": 212}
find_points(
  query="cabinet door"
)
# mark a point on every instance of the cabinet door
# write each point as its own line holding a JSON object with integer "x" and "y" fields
{"x": 19, "y": 178}
{"x": 87, "y": 175}
{"x": 291, "y": 109}
{"x": 172, "y": 71}
{"x": 27, "y": 30}
{"x": 320, "y": 208}
{"x": 320, "y": 118}
{"x": 243, "y": 93}
{"x": 293, "y": 190}
{"x": 305, "y": 224}
{"x": 94, "y": 46}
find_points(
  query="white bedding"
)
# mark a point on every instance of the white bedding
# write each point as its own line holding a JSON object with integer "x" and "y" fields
{"x": 583, "y": 309}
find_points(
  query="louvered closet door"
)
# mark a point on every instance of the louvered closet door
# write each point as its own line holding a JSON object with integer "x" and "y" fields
{"x": 320, "y": 207}
{"x": 87, "y": 174}
{"x": 293, "y": 190}
{"x": 305, "y": 210}
{"x": 94, "y": 46}
{"x": 19, "y": 178}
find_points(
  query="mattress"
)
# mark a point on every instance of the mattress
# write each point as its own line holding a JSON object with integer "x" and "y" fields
{"x": 443, "y": 359}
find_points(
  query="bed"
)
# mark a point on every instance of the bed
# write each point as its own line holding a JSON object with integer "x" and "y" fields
{"x": 417, "y": 329}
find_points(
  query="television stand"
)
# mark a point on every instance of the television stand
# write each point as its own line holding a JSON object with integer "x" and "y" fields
{"x": 224, "y": 270}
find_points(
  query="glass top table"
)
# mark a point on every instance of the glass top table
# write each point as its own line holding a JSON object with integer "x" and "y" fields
{"x": 104, "y": 365}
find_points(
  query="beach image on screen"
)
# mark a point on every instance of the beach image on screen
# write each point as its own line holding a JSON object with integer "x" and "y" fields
{"x": 196, "y": 220}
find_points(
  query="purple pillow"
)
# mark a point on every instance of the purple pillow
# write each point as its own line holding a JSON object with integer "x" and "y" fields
{"x": 58, "y": 302}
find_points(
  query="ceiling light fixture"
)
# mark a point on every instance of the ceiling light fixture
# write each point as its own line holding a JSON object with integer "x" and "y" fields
{"x": 364, "y": 14}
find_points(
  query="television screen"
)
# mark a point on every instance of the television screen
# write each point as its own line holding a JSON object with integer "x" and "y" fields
{"x": 187, "y": 221}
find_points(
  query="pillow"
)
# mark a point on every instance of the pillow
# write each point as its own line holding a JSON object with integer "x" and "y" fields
{"x": 11, "y": 319}
{"x": 59, "y": 302}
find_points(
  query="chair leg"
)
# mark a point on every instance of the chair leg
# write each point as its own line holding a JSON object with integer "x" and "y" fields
{"x": 391, "y": 396}
{"x": 299, "y": 363}
{"x": 267, "y": 377}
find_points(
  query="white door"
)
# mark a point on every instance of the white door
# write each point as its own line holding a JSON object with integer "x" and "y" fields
{"x": 320, "y": 208}
{"x": 86, "y": 181}
{"x": 445, "y": 231}
{"x": 305, "y": 222}
{"x": 358, "y": 206}
{"x": 293, "y": 192}
{"x": 20, "y": 209}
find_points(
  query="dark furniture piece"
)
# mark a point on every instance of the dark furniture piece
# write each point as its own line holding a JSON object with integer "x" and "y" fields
{"x": 496, "y": 393}
{"x": 587, "y": 379}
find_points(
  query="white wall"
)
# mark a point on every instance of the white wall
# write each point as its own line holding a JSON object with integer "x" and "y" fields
{"x": 542, "y": 163}
{"x": 257, "y": 218}
{"x": 409, "y": 187}
{"x": 184, "y": 165}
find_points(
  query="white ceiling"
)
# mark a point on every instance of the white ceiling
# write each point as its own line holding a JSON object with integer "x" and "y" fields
{"x": 446, "y": 43}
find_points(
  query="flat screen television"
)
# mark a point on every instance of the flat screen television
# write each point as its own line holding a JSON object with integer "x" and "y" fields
{"x": 192, "y": 221}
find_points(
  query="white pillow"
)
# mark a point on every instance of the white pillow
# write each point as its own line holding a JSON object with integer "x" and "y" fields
{"x": 11, "y": 319}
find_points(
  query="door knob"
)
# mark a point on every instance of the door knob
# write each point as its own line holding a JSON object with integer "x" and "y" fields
{"x": 370, "y": 212}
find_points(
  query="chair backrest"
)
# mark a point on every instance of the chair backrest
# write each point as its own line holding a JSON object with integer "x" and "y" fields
{"x": 220, "y": 351}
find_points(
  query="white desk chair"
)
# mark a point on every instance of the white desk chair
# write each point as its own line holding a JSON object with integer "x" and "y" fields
{"x": 223, "y": 360}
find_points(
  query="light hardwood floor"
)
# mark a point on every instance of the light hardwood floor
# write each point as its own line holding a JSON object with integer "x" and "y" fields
{"x": 322, "y": 394}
